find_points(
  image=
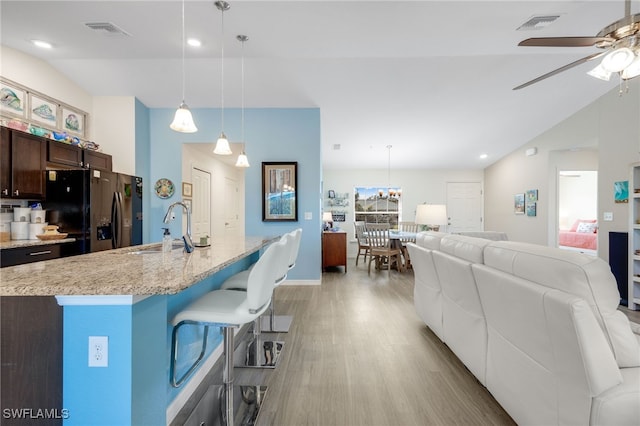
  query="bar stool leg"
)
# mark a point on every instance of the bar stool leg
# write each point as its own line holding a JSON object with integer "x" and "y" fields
{"x": 227, "y": 375}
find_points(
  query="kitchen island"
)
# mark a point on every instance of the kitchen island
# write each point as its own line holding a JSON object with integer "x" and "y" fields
{"x": 129, "y": 296}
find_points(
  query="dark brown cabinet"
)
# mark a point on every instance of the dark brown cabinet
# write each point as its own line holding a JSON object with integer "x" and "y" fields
{"x": 334, "y": 249}
{"x": 31, "y": 357}
{"x": 24, "y": 159}
{"x": 97, "y": 160}
{"x": 62, "y": 154}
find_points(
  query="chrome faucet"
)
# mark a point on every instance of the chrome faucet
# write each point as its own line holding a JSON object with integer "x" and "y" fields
{"x": 188, "y": 243}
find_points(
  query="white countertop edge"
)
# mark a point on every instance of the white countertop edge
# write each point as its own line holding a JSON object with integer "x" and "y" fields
{"x": 99, "y": 300}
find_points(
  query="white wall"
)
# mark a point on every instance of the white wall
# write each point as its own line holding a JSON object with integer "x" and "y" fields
{"x": 611, "y": 125}
{"x": 193, "y": 155}
{"x": 114, "y": 129}
{"x": 111, "y": 119}
{"x": 418, "y": 186}
{"x": 577, "y": 197}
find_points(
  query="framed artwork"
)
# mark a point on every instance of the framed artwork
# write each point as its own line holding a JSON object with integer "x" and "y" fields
{"x": 186, "y": 189}
{"x": 518, "y": 204}
{"x": 43, "y": 110}
{"x": 532, "y": 196}
{"x": 621, "y": 191}
{"x": 13, "y": 99}
{"x": 73, "y": 121}
{"x": 279, "y": 193}
{"x": 531, "y": 209}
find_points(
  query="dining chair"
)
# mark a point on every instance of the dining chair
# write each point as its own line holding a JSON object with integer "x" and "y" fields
{"x": 363, "y": 245}
{"x": 408, "y": 231}
{"x": 380, "y": 247}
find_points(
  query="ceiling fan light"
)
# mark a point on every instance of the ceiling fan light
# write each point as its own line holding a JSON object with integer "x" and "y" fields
{"x": 183, "y": 120}
{"x": 632, "y": 70}
{"x": 600, "y": 72}
{"x": 242, "y": 161}
{"x": 618, "y": 59}
{"x": 222, "y": 146}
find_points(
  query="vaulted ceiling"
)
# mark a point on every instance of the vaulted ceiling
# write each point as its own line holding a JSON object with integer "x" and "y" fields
{"x": 432, "y": 78}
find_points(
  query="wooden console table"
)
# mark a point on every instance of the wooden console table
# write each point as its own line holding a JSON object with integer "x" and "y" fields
{"x": 334, "y": 249}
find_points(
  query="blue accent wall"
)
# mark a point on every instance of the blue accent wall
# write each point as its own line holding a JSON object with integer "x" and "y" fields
{"x": 271, "y": 134}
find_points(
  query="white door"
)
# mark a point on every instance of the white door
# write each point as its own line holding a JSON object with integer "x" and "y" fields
{"x": 231, "y": 206}
{"x": 464, "y": 206}
{"x": 201, "y": 204}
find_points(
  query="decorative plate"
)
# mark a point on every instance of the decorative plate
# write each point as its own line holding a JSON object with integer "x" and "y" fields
{"x": 164, "y": 188}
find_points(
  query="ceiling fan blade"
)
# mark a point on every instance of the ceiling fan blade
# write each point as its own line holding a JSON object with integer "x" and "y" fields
{"x": 563, "y": 41}
{"x": 561, "y": 69}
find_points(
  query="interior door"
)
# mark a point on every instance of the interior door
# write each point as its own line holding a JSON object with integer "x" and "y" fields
{"x": 201, "y": 203}
{"x": 231, "y": 206}
{"x": 464, "y": 206}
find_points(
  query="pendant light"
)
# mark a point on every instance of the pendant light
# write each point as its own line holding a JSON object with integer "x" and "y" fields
{"x": 222, "y": 145}
{"x": 183, "y": 121}
{"x": 243, "y": 161}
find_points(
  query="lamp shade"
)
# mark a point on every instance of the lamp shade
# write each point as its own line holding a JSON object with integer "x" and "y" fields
{"x": 327, "y": 217}
{"x": 242, "y": 161}
{"x": 183, "y": 121}
{"x": 431, "y": 214}
{"x": 222, "y": 146}
{"x": 618, "y": 59}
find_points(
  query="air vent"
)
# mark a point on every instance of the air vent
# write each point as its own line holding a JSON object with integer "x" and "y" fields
{"x": 538, "y": 22}
{"x": 107, "y": 28}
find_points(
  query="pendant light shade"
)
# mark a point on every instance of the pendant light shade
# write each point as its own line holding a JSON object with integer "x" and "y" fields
{"x": 183, "y": 120}
{"x": 242, "y": 161}
{"x": 222, "y": 145}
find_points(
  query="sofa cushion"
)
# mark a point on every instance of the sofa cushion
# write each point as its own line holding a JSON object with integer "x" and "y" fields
{"x": 430, "y": 239}
{"x": 587, "y": 277}
{"x": 470, "y": 249}
{"x": 487, "y": 235}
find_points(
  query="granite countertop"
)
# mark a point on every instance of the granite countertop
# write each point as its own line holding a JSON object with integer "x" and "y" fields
{"x": 6, "y": 245}
{"x": 121, "y": 272}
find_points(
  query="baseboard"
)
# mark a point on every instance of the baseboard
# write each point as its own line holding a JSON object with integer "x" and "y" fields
{"x": 302, "y": 282}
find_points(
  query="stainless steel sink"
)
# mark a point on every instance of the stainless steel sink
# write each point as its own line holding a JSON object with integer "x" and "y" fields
{"x": 158, "y": 249}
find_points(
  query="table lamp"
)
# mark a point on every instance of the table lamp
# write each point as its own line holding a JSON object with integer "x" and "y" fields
{"x": 431, "y": 215}
{"x": 327, "y": 218}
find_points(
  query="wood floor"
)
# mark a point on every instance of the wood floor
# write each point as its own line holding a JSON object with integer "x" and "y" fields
{"x": 357, "y": 354}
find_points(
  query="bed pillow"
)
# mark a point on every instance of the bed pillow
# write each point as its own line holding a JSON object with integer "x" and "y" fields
{"x": 577, "y": 223}
{"x": 587, "y": 228}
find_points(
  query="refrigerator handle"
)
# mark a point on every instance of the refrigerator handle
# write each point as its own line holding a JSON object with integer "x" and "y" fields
{"x": 114, "y": 221}
{"x": 120, "y": 219}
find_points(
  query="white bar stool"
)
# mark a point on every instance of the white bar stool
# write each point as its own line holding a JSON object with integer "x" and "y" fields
{"x": 229, "y": 309}
{"x": 258, "y": 352}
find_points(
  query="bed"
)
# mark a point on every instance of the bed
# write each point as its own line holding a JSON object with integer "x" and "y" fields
{"x": 582, "y": 235}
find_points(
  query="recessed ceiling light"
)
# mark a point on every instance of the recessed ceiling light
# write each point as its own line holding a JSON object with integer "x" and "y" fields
{"x": 194, "y": 42}
{"x": 483, "y": 156}
{"x": 42, "y": 44}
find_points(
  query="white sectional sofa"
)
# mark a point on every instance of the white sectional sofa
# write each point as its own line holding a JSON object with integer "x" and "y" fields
{"x": 538, "y": 326}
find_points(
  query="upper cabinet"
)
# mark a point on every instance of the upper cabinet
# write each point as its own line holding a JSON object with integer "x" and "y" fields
{"x": 62, "y": 154}
{"x": 23, "y": 159}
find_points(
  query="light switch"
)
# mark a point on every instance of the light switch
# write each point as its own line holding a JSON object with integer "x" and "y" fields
{"x": 308, "y": 215}
{"x": 608, "y": 216}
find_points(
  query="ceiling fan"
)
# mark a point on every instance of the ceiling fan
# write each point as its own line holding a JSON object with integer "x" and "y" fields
{"x": 619, "y": 42}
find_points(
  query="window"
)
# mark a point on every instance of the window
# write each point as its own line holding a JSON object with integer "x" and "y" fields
{"x": 378, "y": 205}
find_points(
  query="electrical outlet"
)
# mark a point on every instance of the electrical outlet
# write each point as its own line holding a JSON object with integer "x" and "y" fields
{"x": 98, "y": 351}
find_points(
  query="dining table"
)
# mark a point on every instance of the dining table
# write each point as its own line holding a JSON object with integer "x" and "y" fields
{"x": 398, "y": 239}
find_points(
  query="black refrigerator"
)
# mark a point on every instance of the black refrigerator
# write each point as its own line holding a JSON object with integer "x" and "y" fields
{"x": 101, "y": 209}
